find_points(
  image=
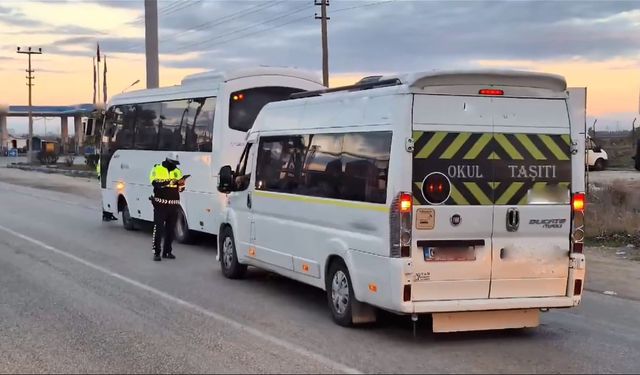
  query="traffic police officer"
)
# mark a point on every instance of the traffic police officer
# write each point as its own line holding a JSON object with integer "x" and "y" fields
{"x": 168, "y": 182}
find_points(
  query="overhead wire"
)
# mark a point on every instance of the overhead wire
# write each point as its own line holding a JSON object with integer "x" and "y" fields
{"x": 245, "y": 28}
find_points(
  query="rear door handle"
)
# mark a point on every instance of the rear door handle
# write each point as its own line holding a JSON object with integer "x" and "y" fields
{"x": 249, "y": 200}
{"x": 513, "y": 219}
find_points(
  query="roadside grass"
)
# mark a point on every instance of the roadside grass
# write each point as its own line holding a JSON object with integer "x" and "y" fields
{"x": 613, "y": 214}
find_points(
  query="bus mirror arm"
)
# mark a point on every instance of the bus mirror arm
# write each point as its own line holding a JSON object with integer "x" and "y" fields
{"x": 226, "y": 183}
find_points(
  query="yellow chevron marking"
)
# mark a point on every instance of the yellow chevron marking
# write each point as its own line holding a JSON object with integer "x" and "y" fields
{"x": 431, "y": 145}
{"x": 553, "y": 147}
{"x": 416, "y": 135}
{"x": 481, "y": 143}
{"x": 533, "y": 150}
{"x": 494, "y": 156}
{"x": 455, "y": 146}
{"x": 457, "y": 197}
{"x": 567, "y": 139}
{"x": 509, "y": 193}
{"x": 494, "y": 185}
{"x": 478, "y": 193}
{"x": 508, "y": 147}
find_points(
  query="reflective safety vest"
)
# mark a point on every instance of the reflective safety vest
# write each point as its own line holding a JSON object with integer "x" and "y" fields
{"x": 160, "y": 174}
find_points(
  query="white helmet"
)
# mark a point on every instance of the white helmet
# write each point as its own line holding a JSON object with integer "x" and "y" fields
{"x": 173, "y": 158}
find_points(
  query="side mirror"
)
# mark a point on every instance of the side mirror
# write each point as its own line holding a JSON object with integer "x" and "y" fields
{"x": 225, "y": 180}
{"x": 597, "y": 149}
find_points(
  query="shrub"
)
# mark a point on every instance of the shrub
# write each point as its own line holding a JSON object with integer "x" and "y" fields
{"x": 91, "y": 160}
{"x": 47, "y": 157}
{"x": 68, "y": 160}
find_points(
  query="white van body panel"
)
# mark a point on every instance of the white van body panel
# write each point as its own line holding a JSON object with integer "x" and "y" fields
{"x": 296, "y": 235}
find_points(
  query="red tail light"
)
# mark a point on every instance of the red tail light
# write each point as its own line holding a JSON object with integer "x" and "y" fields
{"x": 578, "y": 202}
{"x": 400, "y": 225}
{"x": 406, "y": 203}
{"x": 493, "y": 92}
{"x": 577, "y": 288}
{"x": 578, "y": 247}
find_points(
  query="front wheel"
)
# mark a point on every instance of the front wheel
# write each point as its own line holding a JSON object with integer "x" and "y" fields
{"x": 231, "y": 268}
{"x": 599, "y": 165}
{"x": 340, "y": 294}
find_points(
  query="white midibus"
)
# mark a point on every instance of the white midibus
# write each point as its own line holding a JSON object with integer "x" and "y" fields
{"x": 455, "y": 194}
{"x": 205, "y": 120}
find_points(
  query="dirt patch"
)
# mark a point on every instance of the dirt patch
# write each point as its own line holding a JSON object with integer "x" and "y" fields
{"x": 611, "y": 270}
{"x": 84, "y": 187}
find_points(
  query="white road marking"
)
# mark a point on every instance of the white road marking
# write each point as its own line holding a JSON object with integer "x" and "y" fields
{"x": 233, "y": 323}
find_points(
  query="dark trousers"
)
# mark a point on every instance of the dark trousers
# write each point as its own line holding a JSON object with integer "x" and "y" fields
{"x": 164, "y": 224}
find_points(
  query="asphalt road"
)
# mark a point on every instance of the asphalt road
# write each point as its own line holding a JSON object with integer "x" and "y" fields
{"x": 79, "y": 295}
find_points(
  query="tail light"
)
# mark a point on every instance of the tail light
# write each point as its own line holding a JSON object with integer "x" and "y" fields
{"x": 491, "y": 92}
{"x": 577, "y": 288}
{"x": 578, "y": 202}
{"x": 578, "y": 205}
{"x": 400, "y": 220}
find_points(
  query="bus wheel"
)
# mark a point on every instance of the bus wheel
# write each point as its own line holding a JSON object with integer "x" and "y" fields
{"x": 231, "y": 268}
{"x": 340, "y": 293}
{"x": 127, "y": 221}
{"x": 183, "y": 234}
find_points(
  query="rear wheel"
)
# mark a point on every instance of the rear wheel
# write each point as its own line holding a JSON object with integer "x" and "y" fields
{"x": 127, "y": 221}
{"x": 599, "y": 165}
{"x": 231, "y": 268}
{"x": 340, "y": 293}
{"x": 183, "y": 234}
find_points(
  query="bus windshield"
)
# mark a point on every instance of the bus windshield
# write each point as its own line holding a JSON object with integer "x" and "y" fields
{"x": 245, "y": 105}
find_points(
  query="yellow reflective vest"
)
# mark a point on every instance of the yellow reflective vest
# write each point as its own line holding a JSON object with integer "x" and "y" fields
{"x": 161, "y": 174}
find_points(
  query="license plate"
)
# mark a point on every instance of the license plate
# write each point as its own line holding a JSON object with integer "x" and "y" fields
{"x": 449, "y": 254}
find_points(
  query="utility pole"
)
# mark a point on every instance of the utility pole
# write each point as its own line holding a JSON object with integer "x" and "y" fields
{"x": 30, "y": 77}
{"x": 325, "y": 44}
{"x": 151, "y": 42}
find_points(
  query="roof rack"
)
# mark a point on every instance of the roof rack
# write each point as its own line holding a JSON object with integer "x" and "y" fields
{"x": 364, "y": 84}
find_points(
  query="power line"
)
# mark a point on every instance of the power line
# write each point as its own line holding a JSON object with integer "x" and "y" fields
{"x": 207, "y": 42}
{"x": 261, "y": 31}
{"x": 230, "y": 17}
{"x": 179, "y": 8}
{"x": 363, "y": 5}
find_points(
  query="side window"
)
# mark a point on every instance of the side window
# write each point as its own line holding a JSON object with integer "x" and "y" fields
{"x": 280, "y": 163}
{"x": 146, "y": 127}
{"x": 351, "y": 166}
{"x": 125, "y": 122}
{"x": 243, "y": 170}
{"x": 198, "y": 127}
{"x": 172, "y": 119}
{"x": 366, "y": 163}
{"x": 323, "y": 170}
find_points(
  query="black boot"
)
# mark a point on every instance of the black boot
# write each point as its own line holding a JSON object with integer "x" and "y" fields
{"x": 156, "y": 257}
{"x": 168, "y": 256}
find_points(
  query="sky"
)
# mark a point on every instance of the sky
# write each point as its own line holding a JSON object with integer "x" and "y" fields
{"x": 593, "y": 44}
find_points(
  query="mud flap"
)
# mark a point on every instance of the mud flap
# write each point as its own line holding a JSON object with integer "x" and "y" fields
{"x": 485, "y": 320}
{"x": 362, "y": 313}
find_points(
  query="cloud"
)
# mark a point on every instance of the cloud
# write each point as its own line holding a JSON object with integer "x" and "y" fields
{"x": 58, "y": 30}
{"x": 390, "y": 35}
{"x": 15, "y": 17}
{"x": 86, "y": 45}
